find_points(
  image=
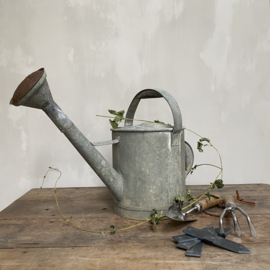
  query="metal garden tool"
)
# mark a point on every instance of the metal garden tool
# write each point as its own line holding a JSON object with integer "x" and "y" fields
{"x": 175, "y": 212}
{"x": 230, "y": 208}
{"x": 150, "y": 161}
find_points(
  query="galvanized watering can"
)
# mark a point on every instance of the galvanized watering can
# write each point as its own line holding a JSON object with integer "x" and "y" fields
{"x": 150, "y": 161}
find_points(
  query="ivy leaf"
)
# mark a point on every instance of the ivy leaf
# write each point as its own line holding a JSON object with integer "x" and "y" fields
{"x": 214, "y": 196}
{"x": 178, "y": 199}
{"x": 189, "y": 197}
{"x": 212, "y": 185}
{"x": 112, "y": 112}
{"x": 210, "y": 195}
{"x": 113, "y": 123}
{"x": 155, "y": 218}
{"x": 194, "y": 168}
{"x": 119, "y": 113}
{"x": 205, "y": 140}
{"x": 113, "y": 231}
{"x": 117, "y": 119}
{"x": 199, "y": 146}
{"x": 219, "y": 183}
{"x": 159, "y": 122}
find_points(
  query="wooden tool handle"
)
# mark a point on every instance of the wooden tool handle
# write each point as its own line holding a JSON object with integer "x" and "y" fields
{"x": 213, "y": 202}
{"x": 228, "y": 199}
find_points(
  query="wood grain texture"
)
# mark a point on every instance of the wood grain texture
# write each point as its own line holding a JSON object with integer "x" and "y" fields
{"x": 228, "y": 199}
{"x": 206, "y": 203}
{"x": 34, "y": 236}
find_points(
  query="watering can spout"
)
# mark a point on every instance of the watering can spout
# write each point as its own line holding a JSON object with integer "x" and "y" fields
{"x": 34, "y": 92}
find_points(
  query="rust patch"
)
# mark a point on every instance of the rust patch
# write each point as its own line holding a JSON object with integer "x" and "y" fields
{"x": 26, "y": 85}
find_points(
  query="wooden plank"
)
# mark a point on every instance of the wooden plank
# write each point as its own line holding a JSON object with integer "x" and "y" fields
{"x": 76, "y": 193}
{"x": 48, "y": 209}
{"x": 86, "y": 202}
{"x": 55, "y": 233}
{"x": 32, "y": 237}
{"x": 102, "y": 193}
{"x": 102, "y": 208}
{"x": 133, "y": 256}
{"x": 244, "y": 189}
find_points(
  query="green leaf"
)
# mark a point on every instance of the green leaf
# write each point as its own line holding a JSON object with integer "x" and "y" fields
{"x": 121, "y": 113}
{"x": 199, "y": 146}
{"x": 112, "y": 112}
{"x": 194, "y": 168}
{"x": 113, "y": 123}
{"x": 208, "y": 195}
{"x": 219, "y": 183}
{"x": 204, "y": 140}
{"x": 178, "y": 199}
{"x": 157, "y": 121}
{"x": 155, "y": 218}
{"x": 118, "y": 118}
{"x": 189, "y": 197}
{"x": 212, "y": 185}
{"x": 113, "y": 231}
{"x": 214, "y": 196}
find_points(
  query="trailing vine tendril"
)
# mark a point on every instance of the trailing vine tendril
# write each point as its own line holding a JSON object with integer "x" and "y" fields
{"x": 155, "y": 217}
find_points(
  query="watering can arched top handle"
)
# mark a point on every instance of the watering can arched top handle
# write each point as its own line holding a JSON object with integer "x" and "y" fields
{"x": 157, "y": 93}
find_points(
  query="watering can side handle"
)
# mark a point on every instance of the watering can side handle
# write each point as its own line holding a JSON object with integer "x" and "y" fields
{"x": 189, "y": 158}
{"x": 158, "y": 93}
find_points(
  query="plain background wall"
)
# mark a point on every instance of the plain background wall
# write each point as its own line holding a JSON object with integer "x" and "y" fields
{"x": 212, "y": 56}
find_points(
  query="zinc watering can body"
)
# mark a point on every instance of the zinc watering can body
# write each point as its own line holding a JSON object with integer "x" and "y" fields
{"x": 150, "y": 161}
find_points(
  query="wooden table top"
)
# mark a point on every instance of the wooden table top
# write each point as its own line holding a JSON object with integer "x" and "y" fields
{"x": 34, "y": 236}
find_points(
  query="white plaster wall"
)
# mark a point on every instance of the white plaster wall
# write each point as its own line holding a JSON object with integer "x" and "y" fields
{"x": 212, "y": 56}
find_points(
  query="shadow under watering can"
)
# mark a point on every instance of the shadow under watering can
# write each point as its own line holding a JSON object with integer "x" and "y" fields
{"x": 150, "y": 160}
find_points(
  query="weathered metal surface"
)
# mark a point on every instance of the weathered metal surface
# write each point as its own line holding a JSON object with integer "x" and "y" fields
{"x": 189, "y": 157}
{"x": 26, "y": 85}
{"x": 175, "y": 211}
{"x": 158, "y": 93}
{"x": 39, "y": 96}
{"x": 151, "y": 159}
{"x": 149, "y": 162}
{"x": 105, "y": 143}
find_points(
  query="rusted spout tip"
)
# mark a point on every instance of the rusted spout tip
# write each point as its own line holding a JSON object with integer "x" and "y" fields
{"x": 26, "y": 85}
